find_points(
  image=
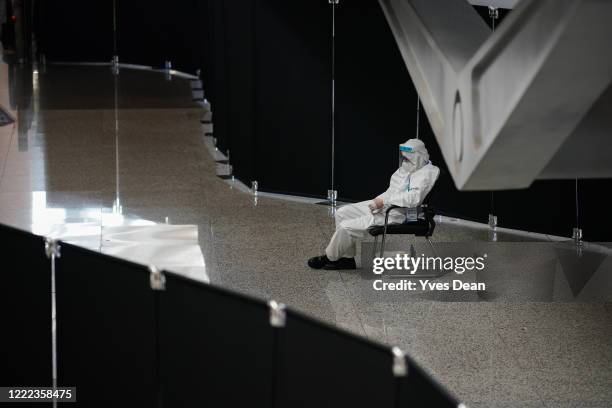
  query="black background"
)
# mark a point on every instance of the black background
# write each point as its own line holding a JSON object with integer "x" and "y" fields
{"x": 74, "y": 30}
{"x": 293, "y": 98}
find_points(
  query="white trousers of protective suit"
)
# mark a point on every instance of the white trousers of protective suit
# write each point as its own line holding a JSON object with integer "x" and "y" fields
{"x": 352, "y": 223}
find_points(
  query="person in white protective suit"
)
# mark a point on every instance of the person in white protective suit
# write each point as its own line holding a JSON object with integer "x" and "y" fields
{"x": 408, "y": 187}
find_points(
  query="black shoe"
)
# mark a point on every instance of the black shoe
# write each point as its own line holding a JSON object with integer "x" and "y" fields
{"x": 342, "y": 263}
{"x": 318, "y": 262}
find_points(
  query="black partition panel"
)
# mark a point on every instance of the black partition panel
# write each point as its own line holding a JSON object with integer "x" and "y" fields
{"x": 418, "y": 389}
{"x": 106, "y": 329}
{"x": 319, "y": 366}
{"x": 239, "y": 50}
{"x": 152, "y": 32}
{"x": 375, "y": 100}
{"x": 376, "y": 110}
{"x": 216, "y": 347}
{"x": 547, "y": 207}
{"x": 207, "y": 32}
{"x": 594, "y": 208}
{"x": 293, "y": 97}
{"x": 201, "y": 44}
{"x": 76, "y": 30}
{"x": 184, "y": 18}
{"x": 142, "y": 32}
{"x": 25, "y": 310}
{"x": 219, "y": 90}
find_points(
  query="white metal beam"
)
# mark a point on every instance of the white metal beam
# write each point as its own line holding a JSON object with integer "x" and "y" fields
{"x": 503, "y": 104}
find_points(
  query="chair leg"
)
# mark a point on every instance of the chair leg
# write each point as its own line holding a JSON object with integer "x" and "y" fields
{"x": 375, "y": 247}
{"x": 434, "y": 274}
{"x": 382, "y": 245}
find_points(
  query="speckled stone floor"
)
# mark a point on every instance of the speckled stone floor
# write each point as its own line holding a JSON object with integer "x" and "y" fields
{"x": 92, "y": 156}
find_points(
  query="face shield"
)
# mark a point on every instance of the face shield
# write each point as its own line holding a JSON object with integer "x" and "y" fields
{"x": 404, "y": 152}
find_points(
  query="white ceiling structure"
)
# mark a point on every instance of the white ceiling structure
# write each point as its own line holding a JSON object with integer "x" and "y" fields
{"x": 532, "y": 100}
{"x": 495, "y": 3}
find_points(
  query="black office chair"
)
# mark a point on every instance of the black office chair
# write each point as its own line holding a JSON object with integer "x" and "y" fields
{"x": 423, "y": 226}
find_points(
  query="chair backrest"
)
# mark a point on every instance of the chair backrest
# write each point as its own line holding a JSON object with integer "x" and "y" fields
{"x": 430, "y": 198}
{"x": 428, "y": 209}
{"x": 430, "y": 214}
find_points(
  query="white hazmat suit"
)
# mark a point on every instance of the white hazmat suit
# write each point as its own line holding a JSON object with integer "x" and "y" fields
{"x": 408, "y": 187}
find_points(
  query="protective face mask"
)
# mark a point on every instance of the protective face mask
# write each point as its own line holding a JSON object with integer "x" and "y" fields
{"x": 409, "y": 165}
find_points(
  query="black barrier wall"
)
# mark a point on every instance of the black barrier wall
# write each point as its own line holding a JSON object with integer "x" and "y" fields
{"x": 130, "y": 335}
{"x": 416, "y": 389}
{"x": 25, "y": 311}
{"x": 306, "y": 349}
{"x": 214, "y": 346}
{"x": 106, "y": 329}
{"x": 267, "y": 69}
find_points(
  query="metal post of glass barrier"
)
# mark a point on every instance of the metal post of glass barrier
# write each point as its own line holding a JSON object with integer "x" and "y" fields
{"x": 228, "y": 166}
{"x": 254, "y": 191}
{"x": 52, "y": 250}
{"x": 117, "y": 207}
{"x": 494, "y": 15}
{"x": 115, "y": 65}
{"x": 168, "y": 70}
{"x": 577, "y": 232}
{"x": 332, "y": 193}
{"x": 115, "y": 62}
{"x": 418, "y": 115}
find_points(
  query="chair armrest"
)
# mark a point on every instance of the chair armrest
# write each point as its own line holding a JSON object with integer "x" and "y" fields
{"x": 429, "y": 217}
{"x": 393, "y": 207}
{"x": 426, "y": 209}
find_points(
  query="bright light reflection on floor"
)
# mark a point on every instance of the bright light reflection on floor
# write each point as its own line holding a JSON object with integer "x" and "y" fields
{"x": 172, "y": 247}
